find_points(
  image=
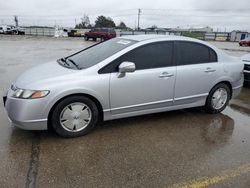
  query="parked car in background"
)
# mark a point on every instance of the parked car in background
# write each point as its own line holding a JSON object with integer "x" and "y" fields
{"x": 11, "y": 30}
{"x": 5, "y": 29}
{"x": 17, "y": 31}
{"x": 246, "y": 60}
{"x": 101, "y": 33}
{"x": 245, "y": 42}
{"x": 123, "y": 77}
{"x": 1, "y": 30}
{"x": 74, "y": 33}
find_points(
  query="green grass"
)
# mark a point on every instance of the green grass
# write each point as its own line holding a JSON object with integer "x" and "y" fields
{"x": 197, "y": 35}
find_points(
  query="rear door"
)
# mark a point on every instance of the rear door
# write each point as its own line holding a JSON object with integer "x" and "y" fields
{"x": 197, "y": 71}
{"x": 151, "y": 86}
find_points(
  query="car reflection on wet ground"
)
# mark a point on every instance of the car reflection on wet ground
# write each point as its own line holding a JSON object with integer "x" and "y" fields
{"x": 175, "y": 149}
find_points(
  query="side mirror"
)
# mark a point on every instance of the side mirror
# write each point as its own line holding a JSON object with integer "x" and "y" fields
{"x": 126, "y": 67}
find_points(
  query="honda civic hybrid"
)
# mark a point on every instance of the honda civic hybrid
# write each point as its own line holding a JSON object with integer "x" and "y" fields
{"x": 123, "y": 77}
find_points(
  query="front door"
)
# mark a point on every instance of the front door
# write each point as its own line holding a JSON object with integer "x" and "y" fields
{"x": 151, "y": 86}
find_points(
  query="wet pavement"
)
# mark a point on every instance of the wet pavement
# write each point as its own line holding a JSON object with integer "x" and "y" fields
{"x": 173, "y": 149}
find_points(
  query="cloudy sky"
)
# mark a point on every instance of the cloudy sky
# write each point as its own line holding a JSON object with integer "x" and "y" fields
{"x": 220, "y": 14}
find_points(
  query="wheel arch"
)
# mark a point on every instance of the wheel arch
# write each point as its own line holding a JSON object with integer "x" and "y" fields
{"x": 228, "y": 83}
{"x": 94, "y": 99}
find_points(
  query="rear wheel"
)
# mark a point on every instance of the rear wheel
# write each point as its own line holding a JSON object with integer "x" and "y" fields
{"x": 74, "y": 116}
{"x": 102, "y": 38}
{"x": 218, "y": 98}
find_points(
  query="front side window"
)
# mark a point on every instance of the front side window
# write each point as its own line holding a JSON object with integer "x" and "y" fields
{"x": 149, "y": 56}
{"x": 195, "y": 53}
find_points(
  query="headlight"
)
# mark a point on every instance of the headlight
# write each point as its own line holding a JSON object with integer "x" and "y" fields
{"x": 28, "y": 94}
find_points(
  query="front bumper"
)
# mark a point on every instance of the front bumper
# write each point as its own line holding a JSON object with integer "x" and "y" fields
{"x": 26, "y": 114}
{"x": 236, "y": 91}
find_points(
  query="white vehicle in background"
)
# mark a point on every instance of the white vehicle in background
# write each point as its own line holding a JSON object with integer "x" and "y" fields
{"x": 1, "y": 29}
{"x": 4, "y": 29}
{"x": 246, "y": 60}
{"x": 12, "y": 30}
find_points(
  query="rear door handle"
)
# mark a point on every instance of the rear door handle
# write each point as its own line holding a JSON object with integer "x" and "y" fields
{"x": 166, "y": 75}
{"x": 208, "y": 70}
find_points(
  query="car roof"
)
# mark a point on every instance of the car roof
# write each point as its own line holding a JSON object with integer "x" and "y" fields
{"x": 152, "y": 36}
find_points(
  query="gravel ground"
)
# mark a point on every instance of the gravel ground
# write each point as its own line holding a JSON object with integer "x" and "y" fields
{"x": 172, "y": 149}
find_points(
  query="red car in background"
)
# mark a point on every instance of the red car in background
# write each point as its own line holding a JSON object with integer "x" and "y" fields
{"x": 245, "y": 42}
{"x": 102, "y": 33}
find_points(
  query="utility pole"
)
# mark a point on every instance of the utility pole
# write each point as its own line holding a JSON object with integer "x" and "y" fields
{"x": 139, "y": 14}
{"x": 16, "y": 20}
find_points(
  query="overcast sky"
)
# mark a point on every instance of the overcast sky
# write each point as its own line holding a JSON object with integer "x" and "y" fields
{"x": 221, "y": 14}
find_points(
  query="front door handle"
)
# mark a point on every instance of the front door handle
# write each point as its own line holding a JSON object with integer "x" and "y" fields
{"x": 208, "y": 70}
{"x": 166, "y": 75}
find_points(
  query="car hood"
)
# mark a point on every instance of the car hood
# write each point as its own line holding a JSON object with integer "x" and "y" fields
{"x": 245, "y": 40}
{"x": 42, "y": 73}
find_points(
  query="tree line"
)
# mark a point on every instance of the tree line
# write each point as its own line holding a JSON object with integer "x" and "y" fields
{"x": 101, "y": 21}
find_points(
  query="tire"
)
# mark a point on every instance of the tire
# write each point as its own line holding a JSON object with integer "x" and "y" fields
{"x": 86, "y": 38}
{"x": 94, "y": 39}
{"x": 246, "y": 84}
{"x": 78, "y": 122}
{"x": 216, "y": 105}
{"x": 102, "y": 39}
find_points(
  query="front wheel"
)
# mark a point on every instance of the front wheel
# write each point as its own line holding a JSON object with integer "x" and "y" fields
{"x": 74, "y": 116}
{"x": 86, "y": 38}
{"x": 218, "y": 98}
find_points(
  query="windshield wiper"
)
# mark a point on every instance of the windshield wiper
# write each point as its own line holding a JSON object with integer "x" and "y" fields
{"x": 70, "y": 60}
{"x": 64, "y": 61}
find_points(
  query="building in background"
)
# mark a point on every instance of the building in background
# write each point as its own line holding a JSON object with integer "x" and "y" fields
{"x": 194, "y": 29}
{"x": 238, "y": 35}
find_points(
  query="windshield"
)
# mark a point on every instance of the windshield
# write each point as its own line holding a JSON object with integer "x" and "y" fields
{"x": 95, "y": 54}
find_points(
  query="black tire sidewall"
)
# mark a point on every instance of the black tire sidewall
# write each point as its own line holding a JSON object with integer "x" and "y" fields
{"x": 209, "y": 107}
{"x": 55, "y": 118}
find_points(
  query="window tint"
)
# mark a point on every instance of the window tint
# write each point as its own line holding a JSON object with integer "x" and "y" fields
{"x": 195, "y": 53}
{"x": 154, "y": 55}
{"x": 213, "y": 56}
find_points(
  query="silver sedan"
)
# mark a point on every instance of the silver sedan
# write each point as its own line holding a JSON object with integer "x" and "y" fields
{"x": 123, "y": 77}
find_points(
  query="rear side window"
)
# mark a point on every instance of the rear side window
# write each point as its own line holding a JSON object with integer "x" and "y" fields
{"x": 213, "y": 55}
{"x": 195, "y": 53}
{"x": 150, "y": 56}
